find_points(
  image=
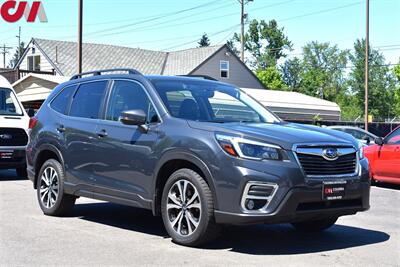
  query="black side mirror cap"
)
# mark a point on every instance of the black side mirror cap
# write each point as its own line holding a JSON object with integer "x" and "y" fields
{"x": 379, "y": 141}
{"x": 133, "y": 117}
{"x": 367, "y": 140}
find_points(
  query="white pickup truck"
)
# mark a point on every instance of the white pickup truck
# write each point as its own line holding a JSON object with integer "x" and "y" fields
{"x": 14, "y": 123}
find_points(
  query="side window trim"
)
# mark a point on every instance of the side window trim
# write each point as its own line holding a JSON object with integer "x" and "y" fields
{"x": 109, "y": 93}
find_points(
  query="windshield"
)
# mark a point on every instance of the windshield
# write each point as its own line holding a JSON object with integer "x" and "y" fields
{"x": 211, "y": 102}
{"x": 9, "y": 105}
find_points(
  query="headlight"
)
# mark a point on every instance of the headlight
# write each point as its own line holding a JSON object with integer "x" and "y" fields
{"x": 248, "y": 149}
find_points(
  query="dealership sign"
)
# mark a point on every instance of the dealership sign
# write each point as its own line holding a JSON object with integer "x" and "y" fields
{"x": 13, "y": 11}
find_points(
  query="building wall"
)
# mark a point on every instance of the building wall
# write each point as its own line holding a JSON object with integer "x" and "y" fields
{"x": 44, "y": 63}
{"x": 239, "y": 75}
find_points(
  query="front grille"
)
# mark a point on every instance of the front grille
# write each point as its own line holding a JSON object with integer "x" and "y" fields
{"x": 13, "y": 137}
{"x": 317, "y": 165}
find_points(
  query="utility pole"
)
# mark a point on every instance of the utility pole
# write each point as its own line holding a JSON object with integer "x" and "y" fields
{"x": 19, "y": 43}
{"x": 243, "y": 17}
{"x": 4, "y": 52}
{"x": 366, "y": 65}
{"x": 242, "y": 30}
{"x": 80, "y": 28}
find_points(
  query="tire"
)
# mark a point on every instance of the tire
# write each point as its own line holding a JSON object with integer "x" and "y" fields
{"x": 196, "y": 224}
{"x": 59, "y": 204}
{"x": 21, "y": 172}
{"x": 315, "y": 225}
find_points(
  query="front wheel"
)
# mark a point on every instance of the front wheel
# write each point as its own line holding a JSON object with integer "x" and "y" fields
{"x": 50, "y": 190}
{"x": 188, "y": 209}
{"x": 315, "y": 225}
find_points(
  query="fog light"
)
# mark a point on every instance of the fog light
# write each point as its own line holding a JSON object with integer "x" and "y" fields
{"x": 250, "y": 204}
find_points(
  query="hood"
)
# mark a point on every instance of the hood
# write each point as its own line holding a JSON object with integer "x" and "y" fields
{"x": 284, "y": 134}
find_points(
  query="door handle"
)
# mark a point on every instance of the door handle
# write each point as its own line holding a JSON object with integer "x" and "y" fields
{"x": 61, "y": 129}
{"x": 102, "y": 134}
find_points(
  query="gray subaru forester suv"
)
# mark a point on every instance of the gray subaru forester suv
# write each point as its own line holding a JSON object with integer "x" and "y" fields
{"x": 200, "y": 153}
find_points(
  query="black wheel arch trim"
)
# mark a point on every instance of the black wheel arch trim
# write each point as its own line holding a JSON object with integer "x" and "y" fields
{"x": 46, "y": 147}
{"x": 186, "y": 156}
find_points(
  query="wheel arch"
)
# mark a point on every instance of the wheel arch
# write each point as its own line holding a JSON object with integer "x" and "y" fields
{"x": 46, "y": 152}
{"x": 172, "y": 162}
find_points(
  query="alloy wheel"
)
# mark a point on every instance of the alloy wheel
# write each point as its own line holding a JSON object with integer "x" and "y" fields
{"x": 49, "y": 187}
{"x": 184, "y": 208}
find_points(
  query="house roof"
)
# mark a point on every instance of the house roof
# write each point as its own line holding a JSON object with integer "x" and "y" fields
{"x": 185, "y": 61}
{"x": 62, "y": 55}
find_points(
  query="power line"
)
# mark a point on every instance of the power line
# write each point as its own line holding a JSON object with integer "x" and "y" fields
{"x": 320, "y": 11}
{"x": 154, "y": 18}
{"x": 180, "y": 45}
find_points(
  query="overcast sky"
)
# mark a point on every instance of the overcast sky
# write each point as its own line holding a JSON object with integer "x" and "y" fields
{"x": 178, "y": 24}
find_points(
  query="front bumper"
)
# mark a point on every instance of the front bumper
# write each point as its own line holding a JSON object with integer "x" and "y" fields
{"x": 17, "y": 159}
{"x": 302, "y": 204}
{"x": 298, "y": 197}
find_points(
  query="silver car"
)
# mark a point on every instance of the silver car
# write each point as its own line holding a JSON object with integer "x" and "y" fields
{"x": 361, "y": 135}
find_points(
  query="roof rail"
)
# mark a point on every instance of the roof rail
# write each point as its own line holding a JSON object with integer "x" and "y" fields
{"x": 205, "y": 77}
{"x": 99, "y": 72}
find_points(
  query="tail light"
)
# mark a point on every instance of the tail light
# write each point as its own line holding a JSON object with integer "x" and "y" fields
{"x": 32, "y": 123}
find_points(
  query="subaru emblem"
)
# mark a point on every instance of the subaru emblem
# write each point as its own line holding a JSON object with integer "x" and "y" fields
{"x": 330, "y": 154}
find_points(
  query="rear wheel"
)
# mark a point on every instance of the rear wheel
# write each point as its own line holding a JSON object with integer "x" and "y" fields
{"x": 50, "y": 190}
{"x": 21, "y": 172}
{"x": 188, "y": 210}
{"x": 315, "y": 225}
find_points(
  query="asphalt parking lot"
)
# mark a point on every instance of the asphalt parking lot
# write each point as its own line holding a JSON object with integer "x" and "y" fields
{"x": 99, "y": 233}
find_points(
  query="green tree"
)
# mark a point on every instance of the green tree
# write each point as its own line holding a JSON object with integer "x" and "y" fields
{"x": 323, "y": 70}
{"x": 265, "y": 42}
{"x": 271, "y": 78}
{"x": 292, "y": 71}
{"x": 381, "y": 82}
{"x": 14, "y": 60}
{"x": 396, "y": 71}
{"x": 204, "y": 41}
{"x": 232, "y": 47}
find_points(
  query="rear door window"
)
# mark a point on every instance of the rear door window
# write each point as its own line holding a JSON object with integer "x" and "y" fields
{"x": 88, "y": 100}
{"x": 60, "y": 103}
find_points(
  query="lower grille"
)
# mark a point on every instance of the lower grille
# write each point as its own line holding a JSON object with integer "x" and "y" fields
{"x": 13, "y": 137}
{"x": 329, "y": 205}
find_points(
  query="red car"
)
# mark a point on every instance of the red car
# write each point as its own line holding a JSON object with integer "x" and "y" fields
{"x": 384, "y": 158}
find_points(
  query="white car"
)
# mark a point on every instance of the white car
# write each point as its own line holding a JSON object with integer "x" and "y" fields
{"x": 14, "y": 124}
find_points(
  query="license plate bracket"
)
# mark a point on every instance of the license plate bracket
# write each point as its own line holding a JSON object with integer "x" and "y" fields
{"x": 334, "y": 190}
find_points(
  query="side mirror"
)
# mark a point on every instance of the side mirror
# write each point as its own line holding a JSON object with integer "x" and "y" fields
{"x": 379, "y": 141}
{"x": 31, "y": 112}
{"x": 133, "y": 117}
{"x": 367, "y": 140}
